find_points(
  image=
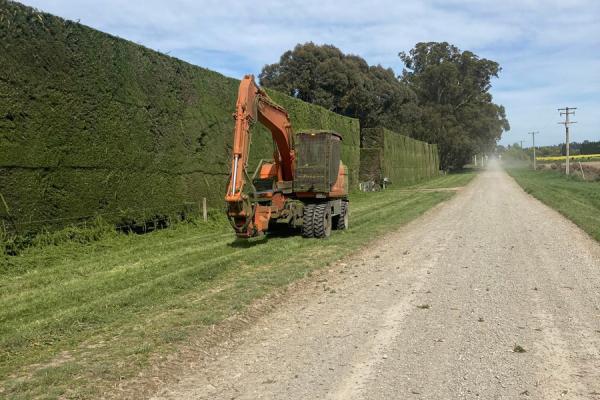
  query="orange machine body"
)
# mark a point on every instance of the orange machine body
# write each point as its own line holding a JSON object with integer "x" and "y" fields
{"x": 253, "y": 203}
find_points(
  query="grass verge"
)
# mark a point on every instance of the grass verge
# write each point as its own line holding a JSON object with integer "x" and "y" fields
{"x": 77, "y": 318}
{"x": 576, "y": 199}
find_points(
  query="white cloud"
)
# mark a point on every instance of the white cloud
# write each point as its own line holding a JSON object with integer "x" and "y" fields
{"x": 549, "y": 49}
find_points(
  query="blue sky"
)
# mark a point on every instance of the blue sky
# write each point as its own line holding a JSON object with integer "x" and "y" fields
{"x": 549, "y": 50}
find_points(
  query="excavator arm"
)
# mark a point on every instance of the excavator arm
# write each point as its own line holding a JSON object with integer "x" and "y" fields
{"x": 253, "y": 104}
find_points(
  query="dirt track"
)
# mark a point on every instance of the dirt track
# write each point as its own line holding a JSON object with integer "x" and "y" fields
{"x": 433, "y": 311}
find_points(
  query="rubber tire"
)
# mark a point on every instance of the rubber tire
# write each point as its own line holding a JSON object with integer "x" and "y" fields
{"x": 341, "y": 221}
{"x": 322, "y": 221}
{"x": 308, "y": 219}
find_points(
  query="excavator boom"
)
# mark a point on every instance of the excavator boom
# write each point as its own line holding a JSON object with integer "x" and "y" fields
{"x": 254, "y": 104}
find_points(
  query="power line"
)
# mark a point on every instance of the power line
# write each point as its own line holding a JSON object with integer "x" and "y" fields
{"x": 533, "y": 136}
{"x": 567, "y": 111}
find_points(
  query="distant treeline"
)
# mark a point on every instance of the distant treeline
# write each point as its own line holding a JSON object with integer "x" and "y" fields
{"x": 516, "y": 153}
{"x": 575, "y": 148}
{"x": 585, "y": 147}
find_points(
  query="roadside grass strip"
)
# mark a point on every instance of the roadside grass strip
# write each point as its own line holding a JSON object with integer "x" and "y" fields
{"x": 575, "y": 199}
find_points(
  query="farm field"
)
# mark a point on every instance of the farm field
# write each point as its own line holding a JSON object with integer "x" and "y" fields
{"x": 79, "y": 318}
{"x": 577, "y": 157}
{"x": 577, "y": 200}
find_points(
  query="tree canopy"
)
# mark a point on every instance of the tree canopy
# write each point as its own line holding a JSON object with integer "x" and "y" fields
{"x": 342, "y": 83}
{"x": 457, "y": 111}
{"x": 441, "y": 97}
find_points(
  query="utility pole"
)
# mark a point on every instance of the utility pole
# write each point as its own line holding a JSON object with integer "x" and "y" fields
{"x": 533, "y": 136}
{"x": 566, "y": 112}
{"x": 521, "y": 144}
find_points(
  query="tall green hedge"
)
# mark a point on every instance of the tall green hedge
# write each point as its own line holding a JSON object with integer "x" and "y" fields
{"x": 91, "y": 124}
{"x": 401, "y": 159}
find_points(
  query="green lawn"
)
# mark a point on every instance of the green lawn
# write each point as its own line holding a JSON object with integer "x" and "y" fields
{"x": 76, "y": 318}
{"x": 575, "y": 199}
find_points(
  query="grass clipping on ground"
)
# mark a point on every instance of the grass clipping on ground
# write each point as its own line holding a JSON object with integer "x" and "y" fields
{"x": 78, "y": 318}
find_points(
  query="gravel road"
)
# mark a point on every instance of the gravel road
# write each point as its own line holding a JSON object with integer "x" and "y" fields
{"x": 490, "y": 296}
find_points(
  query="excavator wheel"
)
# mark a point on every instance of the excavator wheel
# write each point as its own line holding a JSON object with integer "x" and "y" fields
{"x": 308, "y": 219}
{"x": 341, "y": 221}
{"x": 322, "y": 220}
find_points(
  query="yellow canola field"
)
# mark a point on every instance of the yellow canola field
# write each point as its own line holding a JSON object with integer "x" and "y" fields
{"x": 562, "y": 158}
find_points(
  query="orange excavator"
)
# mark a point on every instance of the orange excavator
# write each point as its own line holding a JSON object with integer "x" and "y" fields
{"x": 304, "y": 186}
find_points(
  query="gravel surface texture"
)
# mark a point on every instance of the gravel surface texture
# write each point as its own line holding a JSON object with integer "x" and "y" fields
{"x": 490, "y": 296}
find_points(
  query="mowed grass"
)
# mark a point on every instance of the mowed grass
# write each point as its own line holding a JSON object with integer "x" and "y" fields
{"x": 455, "y": 179}
{"x": 575, "y": 199}
{"x": 76, "y": 319}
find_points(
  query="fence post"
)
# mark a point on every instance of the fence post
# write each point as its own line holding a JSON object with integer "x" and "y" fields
{"x": 204, "y": 210}
{"x": 582, "y": 173}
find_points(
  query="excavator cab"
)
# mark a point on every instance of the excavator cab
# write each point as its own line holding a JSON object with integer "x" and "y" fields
{"x": 265, "y": 177}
